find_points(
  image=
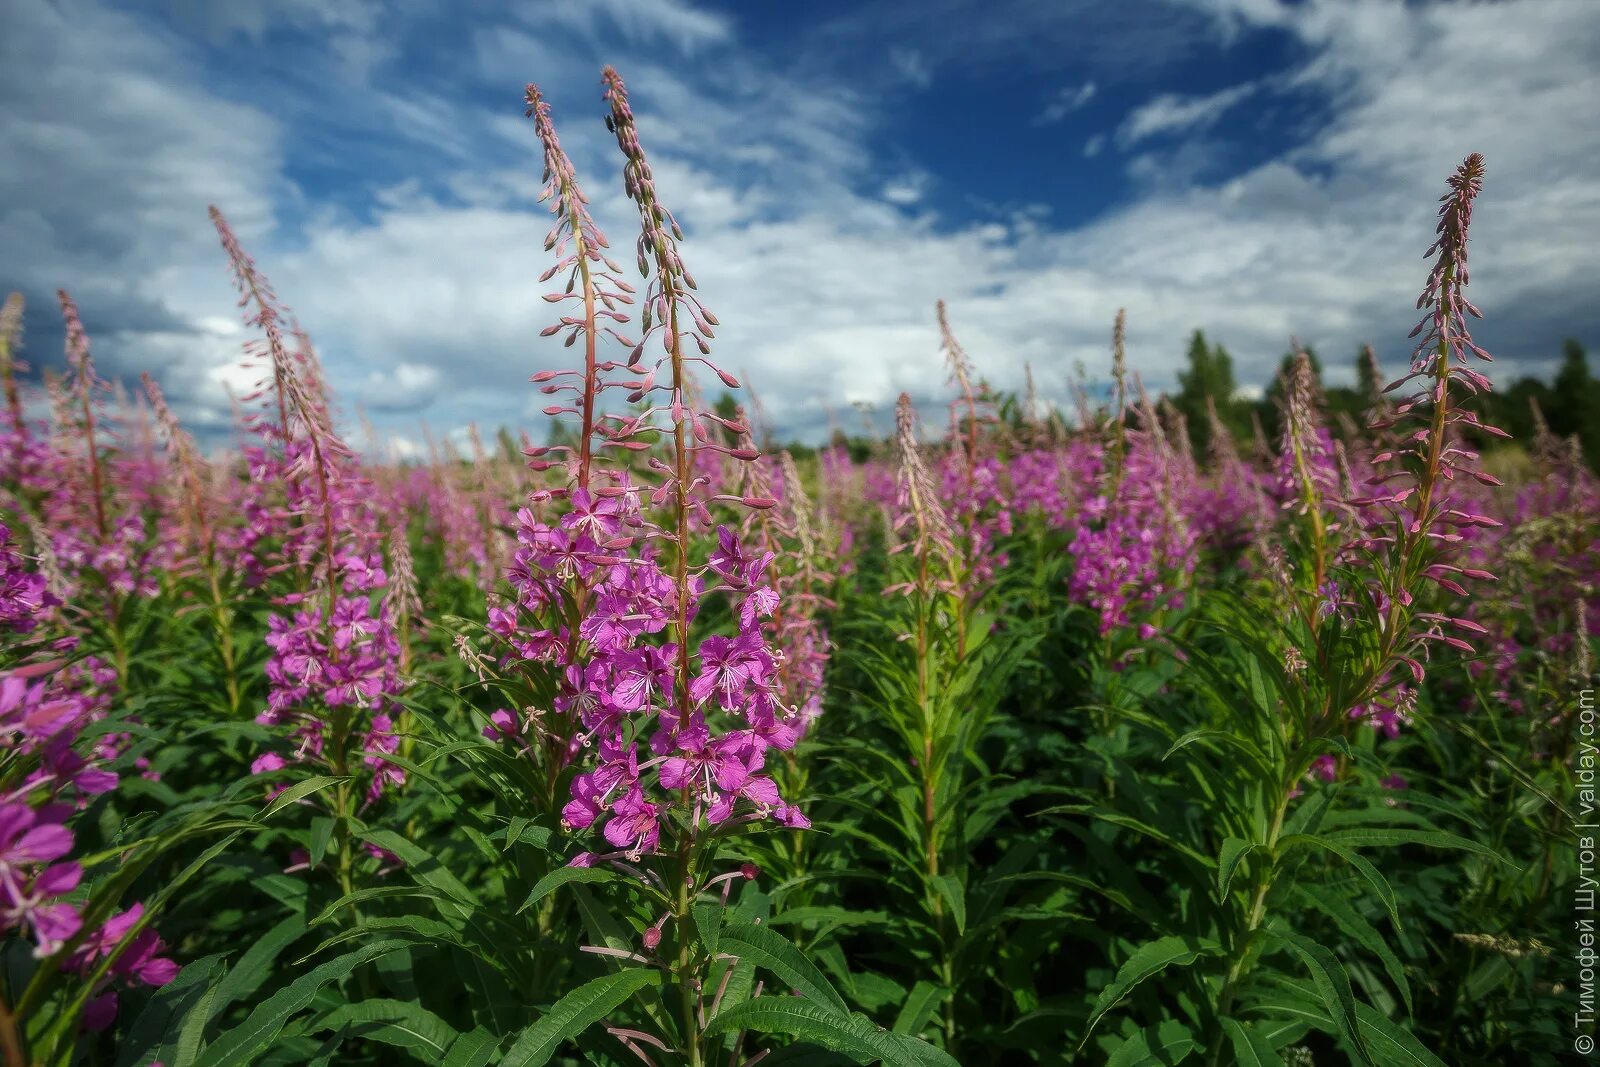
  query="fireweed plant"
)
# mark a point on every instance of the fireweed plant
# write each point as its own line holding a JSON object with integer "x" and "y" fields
{"x": 697, "y": 713}
{"x": 645, "y": 725}
{"x": 1295, "y": 703}
{"x": 332, "y": 671}
{"x": 83, "y": 877}
{"x": 934, "y": 667}
{"x": 1181, "y": 730}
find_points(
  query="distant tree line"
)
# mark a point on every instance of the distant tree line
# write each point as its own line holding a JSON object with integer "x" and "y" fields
{"x": 1569, "y": 405}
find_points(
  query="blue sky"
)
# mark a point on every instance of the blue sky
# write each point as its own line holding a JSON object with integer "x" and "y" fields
{"x": 1259, "y": 169}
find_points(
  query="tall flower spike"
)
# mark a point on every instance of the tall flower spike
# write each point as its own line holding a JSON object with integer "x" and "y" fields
{"x": 1372, "y": 380}
{"x": 1221, "y": 452}
{"x": 657, "y": 246}
{"x": 931, "y": 539}
{"x": 188, "y": 466}
{"x": 10, "y": 337}
{"x": 593, "y": 281}
{"x": 1119, "y": 376}
{"x": 254, "y": 289}
{"x": 1412, "y": 512}
{"x": 672, "y": 310}
{"x": 1306, "y": 474}
{"x": 84, "y": 388}
{"x": 967, "y": 411}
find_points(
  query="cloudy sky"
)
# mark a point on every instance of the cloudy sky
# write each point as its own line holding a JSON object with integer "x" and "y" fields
{"x": 1254, "y": 168}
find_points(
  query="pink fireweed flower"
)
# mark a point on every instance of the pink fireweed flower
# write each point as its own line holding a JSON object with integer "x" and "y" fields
{"x": 137, "y": 962}
{"x": 31, "y": 884}
{"x": 24, "y": 593}
{"x": 633, "y": 825}
{"x": 921, "y": 521}
{"x": 335, "y": 645}
{"x": 49, "y": 771}
{"x": 973, "y": 490}
{"x": 593, "y": 281}
{"x": 1419, "y": 515}
{"x": 730, "y": 667}
{"x": 606, "y": 589}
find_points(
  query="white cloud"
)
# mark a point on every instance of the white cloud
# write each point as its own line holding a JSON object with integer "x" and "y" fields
{"x": 906, "y": 190}
{"x": 112, "y": 154}
{"x": 640, "y": 21}
{"x": 1064, "y": 102}
{"x": 1170, "y": 113}
{"x": 911, "y": 65}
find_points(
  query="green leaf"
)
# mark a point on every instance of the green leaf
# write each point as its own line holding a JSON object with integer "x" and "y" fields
{"x": 1250, "y": 1049}
{"x": 259, "y": 1029}
{"x": 769, "y": 949}
{"x": 300, "y": 790}
{"x": 827, "y": 917}
{"x": 472, "y": 1049}
{"x": 321, "y": 834}
{"x": 1117, "y": 818}
{"x": 708, "y": 921}
{"x": 1363, "y": 838}
{"x": 919, "y": 1007}
{"x": 949, "y": 887}
{"x": 255, "y": 966}
{"x": 564, "y": 876}
{"x": 150, "y": 1036}
{"x": 575, "y": 1013}
{"x": 851, "y": 1034}
{"x": 1212, "y": 738}
{"x": 394, "y": 1022}
{"x": 378, "y": 892}
{"x": 1149, "y": 959}
{"x": 1379, "y": 883}
{"x": 1155, "y": 1046}
{"x": 1332, "y": 984}
{"x": 1234, "y": 850}
{"x": 192, "y": 1037}
{"x": 1395, "y": 1046}
{"x": 538, "y": 837}
{"x": 1336, "y": 905}
{"x": 422, "y": 865}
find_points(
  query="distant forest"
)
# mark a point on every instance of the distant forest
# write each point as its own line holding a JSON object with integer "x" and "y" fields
{"x": 1208, "y": 394}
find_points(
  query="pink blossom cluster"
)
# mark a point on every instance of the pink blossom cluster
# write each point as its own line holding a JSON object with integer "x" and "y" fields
{"x": 1049, "y": 481}
{"x": 42, "y": 714}
{"x": 798, "y": 573}
{"x": 333, "y": 668}
{"x": 24, "y": 593}
{"x": 98, "y": 545}
{"x": 630, "y": 691}
{"x": 975, "y": 493}
{"x": 606, "y": 588}
{"x": 1424, "y": 517}
{"x": 1133, "y": 553}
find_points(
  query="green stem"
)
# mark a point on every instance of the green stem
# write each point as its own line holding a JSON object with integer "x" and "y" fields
{"x": 222, "y": 620}
{"x": 11, "y": 1037}
{"x": 1239, "y": 950}
{"x": 688, "y": 995}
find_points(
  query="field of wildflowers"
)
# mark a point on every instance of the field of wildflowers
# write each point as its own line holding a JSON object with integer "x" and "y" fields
{"x": 1010, "y": 741}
